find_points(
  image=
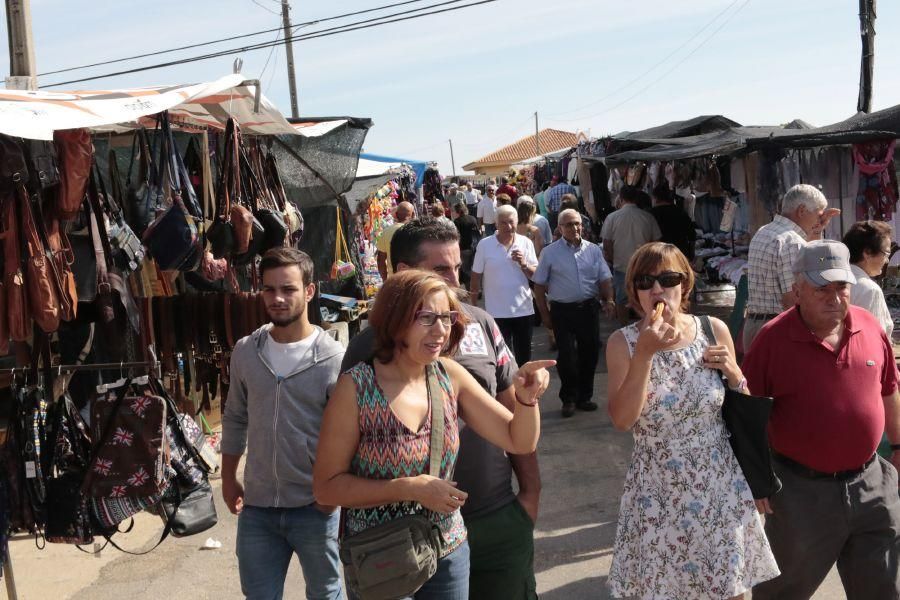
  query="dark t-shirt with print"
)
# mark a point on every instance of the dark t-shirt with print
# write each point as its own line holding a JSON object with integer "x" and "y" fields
{"x": 482, "y": 469}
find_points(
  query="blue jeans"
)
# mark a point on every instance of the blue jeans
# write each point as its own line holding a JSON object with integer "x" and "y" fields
{"x": 267, "y": 538}
{"x": 450, "y": 582}
{"x": 489, "y": 229}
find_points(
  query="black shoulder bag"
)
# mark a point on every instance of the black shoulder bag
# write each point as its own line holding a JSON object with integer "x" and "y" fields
{"x": 746, "y": 418}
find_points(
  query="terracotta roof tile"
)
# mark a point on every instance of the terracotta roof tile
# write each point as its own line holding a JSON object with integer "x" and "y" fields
{"x": 551, "y": 140}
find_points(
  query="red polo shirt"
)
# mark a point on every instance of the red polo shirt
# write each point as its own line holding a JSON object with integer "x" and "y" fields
{"x": 828, "y": 412}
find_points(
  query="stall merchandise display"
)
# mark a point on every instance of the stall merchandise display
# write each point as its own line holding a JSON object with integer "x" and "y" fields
{"x": 87, "y": 248}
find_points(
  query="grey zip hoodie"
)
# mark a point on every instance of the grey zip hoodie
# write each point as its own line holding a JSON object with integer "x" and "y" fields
{"x": 277, "y": 420}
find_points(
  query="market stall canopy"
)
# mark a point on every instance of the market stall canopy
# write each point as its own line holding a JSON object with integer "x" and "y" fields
{"x": 883, "y": 124}
{"x": 319, "y": 164}
{"x": 36, "y": 115}
{"x": 418, "y": 166}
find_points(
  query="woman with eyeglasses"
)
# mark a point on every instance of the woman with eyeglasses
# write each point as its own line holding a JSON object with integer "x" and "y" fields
{"x": 688, "y": 526}
{"x": 869, "y": 243}
{"x": 374, "y": 445}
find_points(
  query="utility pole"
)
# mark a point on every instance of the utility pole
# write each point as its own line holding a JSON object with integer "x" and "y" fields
{"x": 22, "y": 68}
{"x": 289, "y": 51}
{"x": 867, "y": 66}
{"x": 537, "y": 136}
{"x": 452, "y": 160}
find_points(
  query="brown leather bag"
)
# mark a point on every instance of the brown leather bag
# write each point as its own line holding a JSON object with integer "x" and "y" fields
{"x": 39, "y": 271}
{"x": 76, "y": 153}
{"x": 63, "y": 257}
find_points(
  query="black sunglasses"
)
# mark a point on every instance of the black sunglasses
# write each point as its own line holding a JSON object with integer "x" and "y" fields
{"x": 669, "y": 279}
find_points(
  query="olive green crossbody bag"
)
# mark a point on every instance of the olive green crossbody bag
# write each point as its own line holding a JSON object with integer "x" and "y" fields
{"x": 393, "y": 560}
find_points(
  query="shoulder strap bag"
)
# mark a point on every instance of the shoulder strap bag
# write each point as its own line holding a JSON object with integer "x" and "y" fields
{"x": 395, "y": 559}
{"x": 746, "y": 418}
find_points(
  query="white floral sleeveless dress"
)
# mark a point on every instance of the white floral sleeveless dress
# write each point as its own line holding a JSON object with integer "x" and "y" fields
{"x": 688, "y": 528}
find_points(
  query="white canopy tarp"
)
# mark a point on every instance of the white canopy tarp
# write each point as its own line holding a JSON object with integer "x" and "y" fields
{"x": 36, "y": 115}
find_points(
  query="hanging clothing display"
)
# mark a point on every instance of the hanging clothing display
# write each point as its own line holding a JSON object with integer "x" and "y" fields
{"x": 877, "y": 194}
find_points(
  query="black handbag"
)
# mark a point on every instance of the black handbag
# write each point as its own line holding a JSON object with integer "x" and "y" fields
{"x": 746, "y": 418}
{"x": 221, "y": 233}
{"x": 187, "y": 507}
{"x": 192, "y": 510}
{"x": 172, "y": 238}
{"x": 68, "y": 512}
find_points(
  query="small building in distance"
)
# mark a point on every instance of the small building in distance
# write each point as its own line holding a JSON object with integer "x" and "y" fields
{"x": 498, "y": 163}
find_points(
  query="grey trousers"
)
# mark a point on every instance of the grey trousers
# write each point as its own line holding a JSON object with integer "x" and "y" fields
{"x": 751, "y": 329}
{"x": 819, "y": 521}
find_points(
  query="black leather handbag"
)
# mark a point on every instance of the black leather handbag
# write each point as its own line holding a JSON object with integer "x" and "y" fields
{"x": 746, "y": 418}
{"x": 192, "y": 510}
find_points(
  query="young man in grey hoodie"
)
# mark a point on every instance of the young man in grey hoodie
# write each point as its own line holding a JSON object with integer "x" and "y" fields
{"x": 281, "y": 377}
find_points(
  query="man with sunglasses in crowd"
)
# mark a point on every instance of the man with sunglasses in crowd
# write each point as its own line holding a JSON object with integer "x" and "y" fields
{"x": 500, "y": 523}
{"x": 573, "y": 273}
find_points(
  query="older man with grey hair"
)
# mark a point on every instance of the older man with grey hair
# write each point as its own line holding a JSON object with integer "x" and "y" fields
{"x": 773, "y": 250}
{"x": 506, "y": 261}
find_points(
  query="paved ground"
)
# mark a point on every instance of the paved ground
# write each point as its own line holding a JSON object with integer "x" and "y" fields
{"x": 583, "y": 461}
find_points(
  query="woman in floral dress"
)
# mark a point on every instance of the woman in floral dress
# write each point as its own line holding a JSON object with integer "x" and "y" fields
{"x": 688, "y": 527}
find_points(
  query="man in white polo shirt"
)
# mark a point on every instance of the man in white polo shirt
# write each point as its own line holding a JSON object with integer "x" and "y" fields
{"x": 487, "y": 210}
{"x": 506, "y": 261}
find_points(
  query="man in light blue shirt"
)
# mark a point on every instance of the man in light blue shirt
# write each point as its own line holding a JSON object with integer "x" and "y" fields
{"x": 572, "y": 272}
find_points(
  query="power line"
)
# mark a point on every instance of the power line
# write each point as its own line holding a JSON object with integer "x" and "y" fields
{"x": 313, "y": 35}
{"x": 269, "y": 58}
{"x": 651, "y": 69}
{"x": 232, "y": 38}
{"x": 664, "y": 75}
{"x": 265, "y": 8}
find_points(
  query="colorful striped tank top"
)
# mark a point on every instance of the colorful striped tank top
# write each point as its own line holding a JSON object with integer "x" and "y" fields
{"x": 389, "y": 450}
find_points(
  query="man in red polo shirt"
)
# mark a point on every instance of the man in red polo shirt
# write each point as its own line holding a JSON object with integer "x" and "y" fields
{"x": 830, "y": 369}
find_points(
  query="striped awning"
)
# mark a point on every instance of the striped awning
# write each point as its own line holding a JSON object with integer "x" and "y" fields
{"x": 36, "y": 115}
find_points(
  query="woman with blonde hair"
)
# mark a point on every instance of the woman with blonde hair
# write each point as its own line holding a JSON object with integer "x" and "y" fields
{"x": 374, "y": 446}
{"x": 688, "y": 527}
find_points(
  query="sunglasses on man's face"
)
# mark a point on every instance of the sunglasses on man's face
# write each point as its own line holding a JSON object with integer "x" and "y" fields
{"x": 669, "y": 279}
{"x": 427, "y": 318}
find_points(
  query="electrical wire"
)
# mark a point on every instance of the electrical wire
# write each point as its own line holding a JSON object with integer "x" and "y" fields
{"x": 312, "y": 35}
{"x": 232, "y": 38}
{"x": 651, "y": 69}
{"x": 271, "y": 52}
{"x": 266, "y": 8}
{"x": 661, "y": 77}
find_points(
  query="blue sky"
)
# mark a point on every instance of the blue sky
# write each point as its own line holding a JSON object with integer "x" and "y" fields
{"x": 478, "y": 75}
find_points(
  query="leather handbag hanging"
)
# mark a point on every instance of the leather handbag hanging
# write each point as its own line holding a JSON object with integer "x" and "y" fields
{"x": 76, "y": 154}
{"x": 15, "y": 316}
{"x": 172, "y": 239}
{"x": 265, "y": 211}
{"x": 141, "y": 188}
{"x": 68, "y": 510}
{"x": 43, "y": 301}
{"x": 221, "y": 233}
{"x": 395, "y": 559}
{"x": 292, "y": 217}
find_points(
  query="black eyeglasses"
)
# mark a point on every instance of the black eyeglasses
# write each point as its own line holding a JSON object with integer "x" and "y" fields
{"x": 427, "y": 318}
{"x": 669, "y": 279}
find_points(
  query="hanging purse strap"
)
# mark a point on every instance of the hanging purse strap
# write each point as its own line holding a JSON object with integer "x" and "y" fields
{"x": 436, "y": 399}
{"x": 706, "y": 323}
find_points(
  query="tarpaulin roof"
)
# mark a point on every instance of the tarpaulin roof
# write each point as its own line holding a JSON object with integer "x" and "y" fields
{"x": 36, "y": 115}
{"x": 883, "y": 124}
{"x": 418, "y": 166}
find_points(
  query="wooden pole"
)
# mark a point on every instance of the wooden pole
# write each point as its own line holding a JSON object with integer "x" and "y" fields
{"x": 867, "y": 65}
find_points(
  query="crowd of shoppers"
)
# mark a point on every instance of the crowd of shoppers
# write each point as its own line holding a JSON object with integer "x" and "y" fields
{"x": 354, "y": 429}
